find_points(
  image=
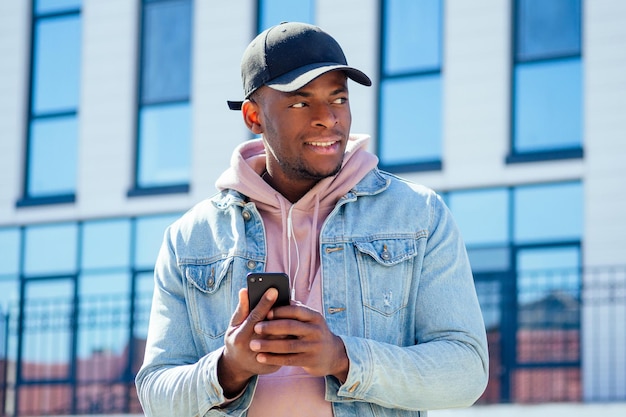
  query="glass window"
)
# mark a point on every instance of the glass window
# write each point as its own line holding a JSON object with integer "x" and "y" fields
{"x": 10, "y": 253}
{"x": 149, "y": 236}
{"x": 53, "y": 153}
{"x": 410, "y": 121}
{"x": 48, "y": 322}
{"x": 164, "y": 155}
{"x": 547, "y": 81}
{"x": 272, "y": 12}
{"x": 164, "y": 140}
{"x": 549, "y": 212}
{"x": 48, "y": 6}
{"x": 166, "y": 51}
{"x": 103, "y": 322}
{"x": 51, "y": 249}
{"x": 482, "y": 215}
{"x": 56, "y": 66}
{"x": 55, "y": 94}
{"x": 549, "y": 109}
{"x": 106, "y": 244}
{"x": 415, "y": 27}
{"x": 143, "y": 291}
{"x": 548, "y": 28}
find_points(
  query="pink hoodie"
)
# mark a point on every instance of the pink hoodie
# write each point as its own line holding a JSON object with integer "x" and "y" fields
{"x": 292, "y": 232}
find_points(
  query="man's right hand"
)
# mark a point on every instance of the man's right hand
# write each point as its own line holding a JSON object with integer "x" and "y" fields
{"x": 238, "y": 363}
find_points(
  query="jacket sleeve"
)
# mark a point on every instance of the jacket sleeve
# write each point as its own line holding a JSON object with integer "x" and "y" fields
{"x": 448, "y": 365}
{"x": 174, "y": 378}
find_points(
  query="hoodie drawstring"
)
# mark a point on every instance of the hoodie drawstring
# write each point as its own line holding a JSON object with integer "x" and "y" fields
{"x": 290, "y": 235}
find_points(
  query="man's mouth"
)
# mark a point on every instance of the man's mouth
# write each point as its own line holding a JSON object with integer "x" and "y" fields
{"x": 322, "y": 144}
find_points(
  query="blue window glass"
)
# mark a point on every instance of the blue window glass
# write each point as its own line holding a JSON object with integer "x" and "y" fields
{"x": 482, "y": 215}
{"x": 272, "y": 12}
{"x": 411, "y": 120}
{"x": 51, "y": 249}
{"x": 51, "y": 6}
{"x": 56, "y": 66}
{"x": 52, "y": 156}
{"x": 55, "y": 93}
{"x": 143, "y": 290}
{"x": 166, "y": 51}
{"x": 549, "y": 106}
{"x": 103, "y": 319}
{"x": 548, "y": 28}
{"x": 550, "y": 212}
{"x": 148, "y": 239}
{"x": 412, "y": 36}
{"x": 547, "y": 81}
{"x": 106, "y": 244}
{"x": 10, "y": 252}
{"x": 164, "y": 139}
{"x": 410, "y": 123}
{"x": 164, "y": 151}
{"x": 48, "y": 318}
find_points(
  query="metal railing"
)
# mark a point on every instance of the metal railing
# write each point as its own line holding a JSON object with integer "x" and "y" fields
{"x": 556, "y": 345}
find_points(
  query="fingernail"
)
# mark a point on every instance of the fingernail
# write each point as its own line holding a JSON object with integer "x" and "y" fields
{"x": 255, "y": 345}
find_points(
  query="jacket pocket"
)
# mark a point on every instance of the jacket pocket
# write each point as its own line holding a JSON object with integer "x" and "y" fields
{"x": 209, "y": 296}
{"x": 385, "y": 272}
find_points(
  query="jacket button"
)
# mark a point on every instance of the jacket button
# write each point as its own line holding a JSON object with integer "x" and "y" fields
{"x": 251, "y": 264}
{"x": 246, "y": 215}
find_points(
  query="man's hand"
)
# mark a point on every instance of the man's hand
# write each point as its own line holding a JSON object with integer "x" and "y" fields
{"x": 238, "y": 362}
{"x": 298, "y": 336}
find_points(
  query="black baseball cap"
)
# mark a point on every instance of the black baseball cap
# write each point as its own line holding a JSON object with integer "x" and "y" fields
{"x": 288, "y": 56}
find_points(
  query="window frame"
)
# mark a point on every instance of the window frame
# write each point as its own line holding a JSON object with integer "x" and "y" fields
{"x": 28, "y": 199}
{"x": 538, "y": 155}
{"x": 183, "y": 187}
{"x": 433, "y": 164}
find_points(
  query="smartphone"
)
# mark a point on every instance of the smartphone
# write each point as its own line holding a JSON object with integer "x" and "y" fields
{"x": 259, "y": 282}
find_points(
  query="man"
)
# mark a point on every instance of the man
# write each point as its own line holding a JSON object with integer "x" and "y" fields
{"x": 384, "y": 318}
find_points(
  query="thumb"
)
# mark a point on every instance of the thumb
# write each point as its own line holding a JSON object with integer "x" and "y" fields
{"x": 243, "y": 309}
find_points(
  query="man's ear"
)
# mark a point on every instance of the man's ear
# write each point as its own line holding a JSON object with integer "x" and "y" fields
{"x": 251, "y": 116}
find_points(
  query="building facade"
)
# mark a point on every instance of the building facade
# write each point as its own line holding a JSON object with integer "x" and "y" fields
{"x": 113, "y": 122}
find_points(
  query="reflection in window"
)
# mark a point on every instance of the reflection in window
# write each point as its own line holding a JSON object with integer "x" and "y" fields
{"x": 144, "y": 288}
{"x": 548, "y": 212}
{"x": 164, "y": 141}
{"x": 164, "y": 157}
{"x": 482, "y": 215}
{"x": 86, "y": 292}
{"x": 149, "y": 236}
{"x": 55, "y": 83}
{"x": 103, "y": 323}
{"x": 51, "y": 249}
{"x": 547, "y": 99}
{"x": 10, "y": 253}
{"x": 272, "y": 12}
{"x": 106, "y": 244}
{"x": 411, "y": 85}
{"x": 48, "y": 312}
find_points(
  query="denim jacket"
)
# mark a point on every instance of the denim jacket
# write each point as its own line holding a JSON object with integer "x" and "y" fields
{"x": 396, "y": 287}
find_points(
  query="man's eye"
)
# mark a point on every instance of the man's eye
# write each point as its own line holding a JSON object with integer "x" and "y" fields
{"x": 341, "y": 100}
{"x": 298, "y": 105}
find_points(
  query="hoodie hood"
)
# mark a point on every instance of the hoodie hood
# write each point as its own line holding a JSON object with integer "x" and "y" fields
{"x": 292, "y": 230}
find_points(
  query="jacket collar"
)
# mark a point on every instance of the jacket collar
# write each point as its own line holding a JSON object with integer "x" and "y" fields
{"x": 372, "y": 183}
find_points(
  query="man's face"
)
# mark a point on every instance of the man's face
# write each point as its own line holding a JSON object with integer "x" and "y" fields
{"x": 306, "y": 131}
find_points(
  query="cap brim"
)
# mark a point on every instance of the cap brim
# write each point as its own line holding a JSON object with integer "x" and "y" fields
{"x": 234, "y": 105}
{"x": 300, "y": 77}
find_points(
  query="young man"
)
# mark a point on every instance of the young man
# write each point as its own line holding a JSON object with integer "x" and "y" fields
{"x": 384, "y": 319}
